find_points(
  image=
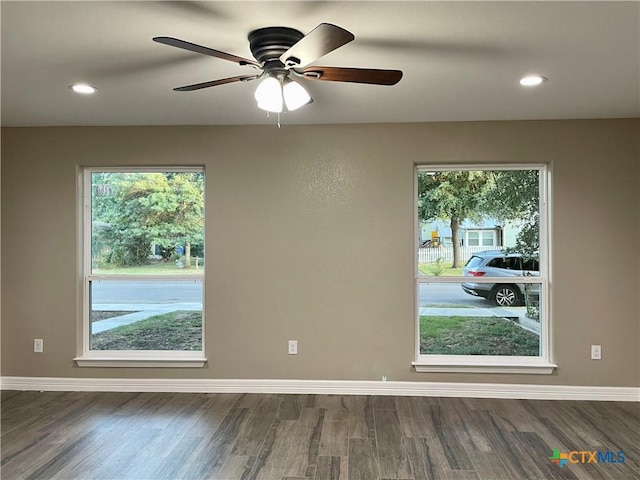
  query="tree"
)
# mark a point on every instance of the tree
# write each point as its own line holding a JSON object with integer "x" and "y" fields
{"x": 454, "y": 196}
{"x": 137, "y": 210}
{"x": 515, "y": 196}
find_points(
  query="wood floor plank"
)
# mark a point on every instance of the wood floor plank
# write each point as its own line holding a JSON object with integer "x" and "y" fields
{"x": 384, "y": 402}
{"x": 258, "y": 426}
{"x": 334, "y": 441}
{"x": 360, "y": 416}
{"x": 502, "y": 445}
{"x": 460, "y": 475}
{"x": 314, "y": 444}
{"x": 335, "y": 406}
{"x": 363, "y": 459}
{"x": 178, "y": 462}
{"x": 294, "y": 449}
{"x": 213, "y": 453}
{"x": 290, "y": 407}
{"x": 49, "y": 462}
{"x": 332, "y": 468}
{"x": 455, "y": 453}
{"x": 488, "y": 466}
{"x": 16, "y": 446}
{"x": 532, "y": 443}
{"x": 420, "y": 458}
{"x": 415, "y": 417}
{"x": 390, "y": 447}
{"x": 454, "y": 414}
{"x": 258, "y": 463}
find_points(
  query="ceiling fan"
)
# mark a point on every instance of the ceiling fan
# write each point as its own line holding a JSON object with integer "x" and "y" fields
{"x": 283, "y": 55}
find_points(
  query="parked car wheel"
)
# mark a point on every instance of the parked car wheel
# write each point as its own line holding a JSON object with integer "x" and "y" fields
{"x": 505, "y": 295}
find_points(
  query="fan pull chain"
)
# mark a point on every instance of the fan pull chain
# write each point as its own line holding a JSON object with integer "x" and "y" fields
{"x": 269, "y": 116}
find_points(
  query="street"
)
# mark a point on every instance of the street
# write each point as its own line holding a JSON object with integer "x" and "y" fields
{"x": 449, "y": 294}
{"x": 133, "y": 291}
{"x": 156, "y": 291}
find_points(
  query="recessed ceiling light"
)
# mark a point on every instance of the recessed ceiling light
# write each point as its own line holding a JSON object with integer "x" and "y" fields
{"x": 83, "y": 88}
{"x": 532, "y": 80}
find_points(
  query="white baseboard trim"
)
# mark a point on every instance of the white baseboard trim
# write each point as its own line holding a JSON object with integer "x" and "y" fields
{"x": 325, "y": 387}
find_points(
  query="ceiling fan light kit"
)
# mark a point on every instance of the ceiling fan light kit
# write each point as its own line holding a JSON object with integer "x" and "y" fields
{"x": 282, "y": 52}
{"x": 272, "y": 92}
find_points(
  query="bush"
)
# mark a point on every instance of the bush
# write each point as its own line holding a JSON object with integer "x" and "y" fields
{"x": 438, "y": 267}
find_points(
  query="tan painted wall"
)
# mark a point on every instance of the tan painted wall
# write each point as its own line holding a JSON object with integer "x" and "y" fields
{"x": 310, "y": 236}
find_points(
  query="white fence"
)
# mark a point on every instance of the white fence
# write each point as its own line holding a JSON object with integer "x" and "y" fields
{"x": 430, "y": 255}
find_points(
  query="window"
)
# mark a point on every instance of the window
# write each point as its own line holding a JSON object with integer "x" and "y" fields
{"x": 481, "y": 238}
{"x": 143, "y": 267}
{"x": 484, "y": 309}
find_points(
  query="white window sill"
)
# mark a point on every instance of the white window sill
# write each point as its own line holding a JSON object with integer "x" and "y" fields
{"x": 195, "y": 361}
{"x": 464, "y": 364}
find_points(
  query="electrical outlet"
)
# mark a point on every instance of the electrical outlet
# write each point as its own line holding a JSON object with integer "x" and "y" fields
{"x": 293, "y": 347}
{"x": 38, "y": 345}
{"x": 596, "y": 352}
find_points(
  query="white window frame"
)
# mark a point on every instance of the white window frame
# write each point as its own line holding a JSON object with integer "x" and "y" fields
{"x": 125, "y": 358}
{"x": 492, "y": 363}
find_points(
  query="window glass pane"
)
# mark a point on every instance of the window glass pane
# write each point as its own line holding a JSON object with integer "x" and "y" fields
{"x": 146, "y": 315}
{"x": 479, "y": 319}
{"x": 487, "y": 239}
{"x": 498, "y": 262}
{"x": 513, "y": 263}
{"x": 473, "y": 239}
{"x": 478, "y": 209}
{"x": 473, "y": 261}
{"x": 147, "y": 223}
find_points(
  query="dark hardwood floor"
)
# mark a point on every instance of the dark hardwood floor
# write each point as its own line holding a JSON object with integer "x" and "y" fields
{"x": 75, "y": 435}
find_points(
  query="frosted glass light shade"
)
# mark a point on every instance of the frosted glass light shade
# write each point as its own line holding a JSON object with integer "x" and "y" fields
{"x": 295, "y": 96}
{"x": 269, "y": 95}
{"x": 532, "y": 80}
{"x": 83, "y": 88}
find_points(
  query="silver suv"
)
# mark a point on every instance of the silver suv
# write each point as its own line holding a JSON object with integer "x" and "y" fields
{"x": 495, "y": 263}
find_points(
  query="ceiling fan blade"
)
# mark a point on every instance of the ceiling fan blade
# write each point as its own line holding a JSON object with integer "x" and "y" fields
{"x": 323, "y": 39}
{"x": 354, "y": 75}
{"x": 213, "y": 83}
{"x": 192, "y": 47}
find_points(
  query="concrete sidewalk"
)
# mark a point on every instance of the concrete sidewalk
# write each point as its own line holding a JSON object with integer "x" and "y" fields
{"x": 141, "y": 311}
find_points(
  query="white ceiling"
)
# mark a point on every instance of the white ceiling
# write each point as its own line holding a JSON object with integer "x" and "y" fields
{"x": 461, "y": 61}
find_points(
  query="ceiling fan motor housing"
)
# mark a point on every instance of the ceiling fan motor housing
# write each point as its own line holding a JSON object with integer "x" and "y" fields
{"x": 268, "y": 44}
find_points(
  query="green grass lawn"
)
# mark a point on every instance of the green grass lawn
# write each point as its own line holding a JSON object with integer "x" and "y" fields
{"x": 427, "y": 269}
{"x": 160, "y": 268}
{"x": 180, "y": 330}
{"x": 457, "y": 335}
